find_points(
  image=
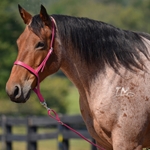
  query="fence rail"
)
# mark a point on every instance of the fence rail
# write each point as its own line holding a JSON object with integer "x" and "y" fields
{"x": 32, "y": 124}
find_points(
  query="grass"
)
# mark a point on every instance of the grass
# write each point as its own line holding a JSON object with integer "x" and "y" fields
{"x": 52, "y": 145}
{"x": 78, "y": 144}
{"x": 75, "y": 144}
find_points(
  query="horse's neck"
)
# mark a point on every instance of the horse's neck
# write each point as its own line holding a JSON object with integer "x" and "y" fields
{"x": 77, "y": 73}
{"x": 84, "y": 77}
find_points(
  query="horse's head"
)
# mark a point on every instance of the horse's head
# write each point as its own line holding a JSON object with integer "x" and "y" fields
{"x": 33, "y": 46}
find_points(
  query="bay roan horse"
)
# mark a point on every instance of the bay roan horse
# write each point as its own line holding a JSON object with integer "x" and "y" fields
{"x": 109, "y": 66}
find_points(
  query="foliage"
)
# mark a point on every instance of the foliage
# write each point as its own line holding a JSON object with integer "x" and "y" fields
{"x": 9, "y": 31}
{"x": 125, "y": 14}
{"x": 55, "y": 91}
{"x": 11, "y": 27}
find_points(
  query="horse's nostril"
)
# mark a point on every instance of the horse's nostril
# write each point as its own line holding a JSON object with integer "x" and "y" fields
{"x": 17, "y": 91}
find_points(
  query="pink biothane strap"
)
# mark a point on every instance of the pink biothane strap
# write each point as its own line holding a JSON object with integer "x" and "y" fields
{"x": 20, "y": 63}
{"x": 36, "y": 73}
{"x": 56, "y": 117}
{"x": 37, "y": 88}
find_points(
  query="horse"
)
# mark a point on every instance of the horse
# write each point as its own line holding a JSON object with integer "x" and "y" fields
{"x": 109, "y": 66}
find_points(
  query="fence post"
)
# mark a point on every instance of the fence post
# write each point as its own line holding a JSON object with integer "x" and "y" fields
{"x": 3, "y": 118}
{"x": 63, "y": 144}
{"x": 6, "y": 131}
{"x": 31, "y": 145}
{"x": 92, "y": 146}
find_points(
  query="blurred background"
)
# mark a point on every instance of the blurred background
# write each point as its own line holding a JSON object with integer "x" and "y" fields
{"x": 58, "y": 91}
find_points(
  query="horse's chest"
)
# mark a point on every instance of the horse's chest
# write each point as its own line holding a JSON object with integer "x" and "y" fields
{"x": 99, "y": 125}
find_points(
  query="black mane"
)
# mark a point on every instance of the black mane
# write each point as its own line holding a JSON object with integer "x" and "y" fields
{"x": 99, "y": 43}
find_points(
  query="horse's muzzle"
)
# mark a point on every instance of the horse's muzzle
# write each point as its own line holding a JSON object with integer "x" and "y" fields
{"x": 17, "y": 93}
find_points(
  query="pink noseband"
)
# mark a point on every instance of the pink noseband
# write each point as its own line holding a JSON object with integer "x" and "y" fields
{"x": 41, "y": 66}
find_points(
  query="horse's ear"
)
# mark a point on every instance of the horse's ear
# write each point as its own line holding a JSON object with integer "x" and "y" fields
{"x": 45, "y": 17}
{"x": 25, "y": 15}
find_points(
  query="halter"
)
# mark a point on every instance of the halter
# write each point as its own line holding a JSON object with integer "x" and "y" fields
{"x": 41, "y": 66}
{"x": 37, "y": 88}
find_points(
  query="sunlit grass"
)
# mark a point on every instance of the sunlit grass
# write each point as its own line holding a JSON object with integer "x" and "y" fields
{"x": 79, "y": 144}
{"x": 53, "y": 145}
{"x": 75, "y": 144}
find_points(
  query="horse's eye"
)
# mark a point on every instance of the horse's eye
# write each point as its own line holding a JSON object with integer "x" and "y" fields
{"x": 40, "y": 45}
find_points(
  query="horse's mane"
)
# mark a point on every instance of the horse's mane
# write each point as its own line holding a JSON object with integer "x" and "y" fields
{"x": 99, "y": 43}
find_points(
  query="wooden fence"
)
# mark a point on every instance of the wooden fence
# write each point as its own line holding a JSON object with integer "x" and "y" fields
{"x": 32, "y": 124}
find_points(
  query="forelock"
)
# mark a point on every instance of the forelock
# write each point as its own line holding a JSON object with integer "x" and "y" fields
{"x": 36, "y": 25}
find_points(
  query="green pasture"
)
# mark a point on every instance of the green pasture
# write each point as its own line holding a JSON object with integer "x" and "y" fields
{"x": 78, "y": 144}
{"x": 52, "y": 145}
{"x": 75, "y": 144}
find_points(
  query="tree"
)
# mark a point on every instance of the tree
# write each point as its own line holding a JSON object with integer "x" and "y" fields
{"x": 9, "y": 31}
{"x": 125, "y": 14}
{"x": 11, "y": 27}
